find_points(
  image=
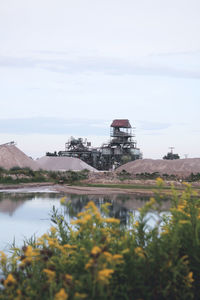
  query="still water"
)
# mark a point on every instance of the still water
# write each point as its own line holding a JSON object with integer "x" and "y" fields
{"x": 25, "y": 213}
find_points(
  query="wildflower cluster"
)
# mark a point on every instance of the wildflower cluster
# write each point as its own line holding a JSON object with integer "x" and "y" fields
{"x": 97, "y": 258}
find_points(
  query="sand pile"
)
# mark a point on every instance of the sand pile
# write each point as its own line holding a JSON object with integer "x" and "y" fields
{"x": 51, "y": 163}
{"x": 181, "y": 167}
{"x": 11, "y": 156}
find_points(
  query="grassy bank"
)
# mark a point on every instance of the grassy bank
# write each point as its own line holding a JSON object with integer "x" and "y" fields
{"x": 122, "y": 186}
{"x": 95, "y": 257}
{"x": 18, "y": 175}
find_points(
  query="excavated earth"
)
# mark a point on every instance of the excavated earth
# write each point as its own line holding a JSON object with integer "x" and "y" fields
{"x": 11, "y": 156}
{"x": 179, "y": 167}
{"x": 51, "y": 163}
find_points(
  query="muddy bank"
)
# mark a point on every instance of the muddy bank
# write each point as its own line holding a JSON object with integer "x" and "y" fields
{"x": 78, "y": 190}
{"x": 147, "y": 190}
{"x": 82, "y": 190}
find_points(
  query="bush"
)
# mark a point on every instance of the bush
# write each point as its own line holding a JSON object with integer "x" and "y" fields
{"x": 97, "y": 258}
{"x": 124, "y": 175}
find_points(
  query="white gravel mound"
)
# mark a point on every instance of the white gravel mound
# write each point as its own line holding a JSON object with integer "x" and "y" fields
{"x": 51, "y": 163}
{"x": 11, "y": 156}
{"x": 181, "y": 167}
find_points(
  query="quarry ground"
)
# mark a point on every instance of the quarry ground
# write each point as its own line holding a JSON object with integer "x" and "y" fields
{"x": 105, "y": 184}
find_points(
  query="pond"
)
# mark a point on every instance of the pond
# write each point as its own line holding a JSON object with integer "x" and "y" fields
{"x": 27, "y": 212}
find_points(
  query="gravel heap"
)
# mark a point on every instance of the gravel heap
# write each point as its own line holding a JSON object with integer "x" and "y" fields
{"x": 11, "y": 156}
{"x": 181, "y": 167}
{"x": 51, "y": 163}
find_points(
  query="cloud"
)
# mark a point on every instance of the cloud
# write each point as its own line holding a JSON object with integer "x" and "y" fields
{"x": 60, "y": 62}
{"x": 153, "y": 126}
{"x": 52, "y": 126}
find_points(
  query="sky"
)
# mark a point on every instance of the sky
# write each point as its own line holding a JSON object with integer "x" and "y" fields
{"x": 68, "y": 68}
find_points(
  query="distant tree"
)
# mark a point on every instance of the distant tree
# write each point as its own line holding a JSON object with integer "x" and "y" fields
{"x": 51, "y": 154}
{"x": 171, "y": 156}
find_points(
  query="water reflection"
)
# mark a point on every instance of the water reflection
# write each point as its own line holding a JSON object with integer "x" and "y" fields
{"x": 10, "y": 202}
{"x": 27, "y": 214}
{"x": 121, "y": 205}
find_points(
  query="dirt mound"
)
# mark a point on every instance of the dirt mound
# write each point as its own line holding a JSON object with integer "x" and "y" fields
{"x": 11, "y": 156}
{"x": 50, "y": 163}
{"x": 181, "y": 167}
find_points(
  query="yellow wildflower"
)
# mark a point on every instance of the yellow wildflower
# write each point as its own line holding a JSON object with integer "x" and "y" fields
{"x": 125, "y": 251}
{"x": 92, "y": 209}
{"x": 91, "y": 205}
{"x": 165, "y": 231}
{"x": 105, "y": 205}
{"x": 53, "y": 230}
{"x": 169, "y": 264}
{"x": 187, "y": 184}
{"x": 19, "y": 295}
{"x": 61, "y": 295}
{"x": 67, "y": 246}
{"x": 19, "y": 292}
{"x": 105, "y": 208}
{"x": 189, "y": 279}
{"x": 76, "y": 222}
{"x": 180, "y": 207}
{"x": 140, "y": 252}
{"x": 136, "y": 224}
{"x": 111, "y": 220}
{"x": 82, "y": 213}
{"x": 80, "y": 296}
{"x": 185, "y": 259}
{"x": 108, "y": 255}
{"x": 9, "y": 280}
{"x": 95, "y": 250}
{"x": 53, "y": 243}
{"x": 50, "y": 274}
{"x": 3, "y": 258}
{"x": 118, "y": 258}
{"x": 42, "y": 240}
{"x": 63, "y": 200}
{"x": 159, "y": 182}
{"x": 89, "y": 264}
{"x": 68, "y": 277}
{"x": 87, "y": 218}
{"x": 98, "y": 215}
{"x": 184, "y": 222}
{"x": 152, "y": 200}
{"x": 29, "y": 251}
{"x": 104, "y": 275}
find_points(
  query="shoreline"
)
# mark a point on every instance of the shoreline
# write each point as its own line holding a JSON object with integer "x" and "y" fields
{"x": 78, "y": 190}
{"x": 25, "y": 185}
{"x": 83, "y": 190}
{"x": 90, "y": 190}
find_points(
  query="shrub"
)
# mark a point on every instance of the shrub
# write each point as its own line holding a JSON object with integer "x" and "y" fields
{"x": 97, "y": 258}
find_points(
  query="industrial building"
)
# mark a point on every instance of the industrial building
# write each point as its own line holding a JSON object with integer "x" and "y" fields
{"x": 121, "y": 148}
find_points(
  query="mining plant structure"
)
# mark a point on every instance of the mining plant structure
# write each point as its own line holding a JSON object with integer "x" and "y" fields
{"x": 120, "y": 149}
{"x": 170, "y": 155}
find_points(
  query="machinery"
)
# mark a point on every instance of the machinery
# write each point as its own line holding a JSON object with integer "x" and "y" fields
{"x": 171, "y": 155}
{"x": 121, "y": 148}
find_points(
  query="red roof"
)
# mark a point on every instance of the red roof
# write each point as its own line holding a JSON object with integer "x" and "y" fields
{"x": 124, "y": 123}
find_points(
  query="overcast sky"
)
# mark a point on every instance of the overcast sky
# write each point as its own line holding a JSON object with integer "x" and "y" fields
{"x": 68, "y": 68}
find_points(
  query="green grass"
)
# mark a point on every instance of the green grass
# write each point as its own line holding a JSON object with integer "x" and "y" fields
{"x": 122, "y": 186}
